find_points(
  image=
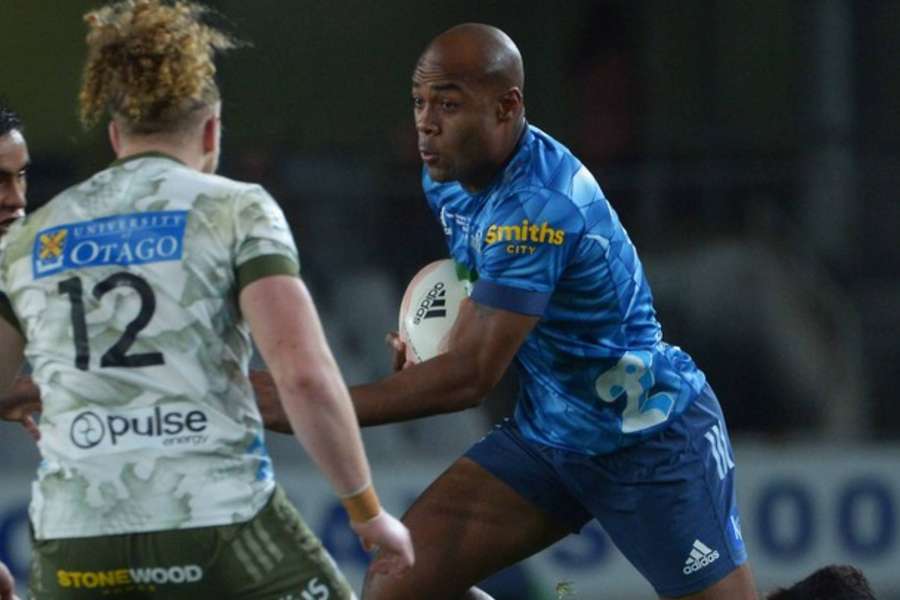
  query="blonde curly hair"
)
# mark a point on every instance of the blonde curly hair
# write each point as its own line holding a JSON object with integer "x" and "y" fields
{"x": 150, "y": 64}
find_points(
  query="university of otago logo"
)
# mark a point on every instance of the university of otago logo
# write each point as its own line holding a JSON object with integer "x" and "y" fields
{"x": 51, "y": 248}
{"x": 128, "y": 239}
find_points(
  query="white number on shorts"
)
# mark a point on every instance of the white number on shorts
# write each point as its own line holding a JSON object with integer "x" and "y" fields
{"x": 631, "y": 377}
{"x": 315, "y": 590}
{"x": 718, "y": 445}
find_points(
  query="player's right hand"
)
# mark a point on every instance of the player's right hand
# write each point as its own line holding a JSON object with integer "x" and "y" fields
{"x": 390, "y": 539}
{"x": 23, "y": 399}
{"x": 7, "y": 584}
{"x": 398, "y": 346}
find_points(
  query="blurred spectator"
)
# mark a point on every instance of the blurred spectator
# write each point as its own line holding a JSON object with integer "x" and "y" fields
{"x": 834, "y": 582}
{"x": 775, "y": 333}
{"x": 603, "y": 65}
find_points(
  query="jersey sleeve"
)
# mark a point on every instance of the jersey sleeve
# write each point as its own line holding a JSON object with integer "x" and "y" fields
{"x": 525, "y": 248}
{"x": 265, "y": 245}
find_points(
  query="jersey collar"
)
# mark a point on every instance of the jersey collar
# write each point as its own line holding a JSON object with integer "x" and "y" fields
{"x": 148, "y": 154}
{"x": 510, "y": 167}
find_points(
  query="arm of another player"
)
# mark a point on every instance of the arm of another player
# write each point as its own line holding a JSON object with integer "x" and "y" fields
{"x": 12, "y": 347}
{"x": 268, "y": 402}
{"x": 287, "y": 330}
{"x": 20, "y": 403}
{"x": 270, "y": 409}
{"x": 482, "y": 344}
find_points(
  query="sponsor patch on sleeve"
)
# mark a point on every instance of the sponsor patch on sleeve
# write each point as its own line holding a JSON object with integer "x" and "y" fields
{"x": 130, "y": 239}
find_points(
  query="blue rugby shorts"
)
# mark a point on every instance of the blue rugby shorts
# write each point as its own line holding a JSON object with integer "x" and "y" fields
{"x": 668, "y": 502}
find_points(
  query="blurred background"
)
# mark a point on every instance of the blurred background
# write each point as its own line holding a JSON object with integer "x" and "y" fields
{"x": 752, "y": 150}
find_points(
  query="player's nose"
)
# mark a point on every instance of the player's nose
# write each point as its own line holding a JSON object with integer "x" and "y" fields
{"x": 425, "y": 121}
{"x": 12, "y": 199}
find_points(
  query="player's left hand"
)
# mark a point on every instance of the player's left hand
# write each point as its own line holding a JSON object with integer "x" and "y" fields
{"x": 390, "y": 538}
{"x": 398, "y": 346}
{"x": 22, "y": 401}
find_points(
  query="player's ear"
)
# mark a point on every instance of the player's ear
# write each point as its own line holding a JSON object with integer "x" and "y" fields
{"x": 114, "y": 139}
{"x": 509, "y": 104}
{"x": 211, "y": 132}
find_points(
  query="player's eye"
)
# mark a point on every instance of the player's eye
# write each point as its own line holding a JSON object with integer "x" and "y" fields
{"x": 22, "y": 175}
{"x": 418, "y": 102}
{"x": 449, "y": 105}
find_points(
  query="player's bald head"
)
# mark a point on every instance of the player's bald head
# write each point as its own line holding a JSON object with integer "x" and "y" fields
{"x": 474, "y": 52}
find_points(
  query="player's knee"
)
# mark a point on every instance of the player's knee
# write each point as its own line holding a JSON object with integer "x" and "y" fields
{"x": 379, "y": 587}
{"x": 410, "y": 586}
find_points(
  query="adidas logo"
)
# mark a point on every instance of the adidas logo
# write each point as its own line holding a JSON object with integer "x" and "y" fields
{"x": 701, "y": 555}
{"x": 437, "y": 306}
{"x": 433, "y": 304}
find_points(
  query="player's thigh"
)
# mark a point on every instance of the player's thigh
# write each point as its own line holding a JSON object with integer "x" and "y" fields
{"x": 669, "y": 505}
{"x": 467, "y": 525}
{"x": 276, "y": 556}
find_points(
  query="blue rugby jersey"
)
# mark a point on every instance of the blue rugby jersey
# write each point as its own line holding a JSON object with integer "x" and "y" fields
{"x": 543, "y": 240}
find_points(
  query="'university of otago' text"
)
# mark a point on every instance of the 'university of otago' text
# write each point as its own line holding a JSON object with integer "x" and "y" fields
{"x": 131, "y": 239}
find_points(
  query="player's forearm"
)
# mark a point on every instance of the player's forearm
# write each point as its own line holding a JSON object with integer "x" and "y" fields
{"x": 322, "y": 418}
{"x": 447, "y": 383}
{"x": 12, "y": 346}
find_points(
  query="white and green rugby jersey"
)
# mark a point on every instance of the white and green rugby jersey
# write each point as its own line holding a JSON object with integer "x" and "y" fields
{"x": 125, "y": 288}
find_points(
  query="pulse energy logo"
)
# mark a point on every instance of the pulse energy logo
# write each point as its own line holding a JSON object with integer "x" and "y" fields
{"x": 169, "y": 427}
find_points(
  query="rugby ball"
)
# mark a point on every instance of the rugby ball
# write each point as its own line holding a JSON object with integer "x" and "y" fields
{"x": 429, "y": 309}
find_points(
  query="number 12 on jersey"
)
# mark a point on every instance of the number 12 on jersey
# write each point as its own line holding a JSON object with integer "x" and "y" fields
{"x": 117, "y": 355}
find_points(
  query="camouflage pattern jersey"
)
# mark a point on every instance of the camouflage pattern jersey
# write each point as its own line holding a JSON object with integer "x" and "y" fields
{"x": 125, "y": 288}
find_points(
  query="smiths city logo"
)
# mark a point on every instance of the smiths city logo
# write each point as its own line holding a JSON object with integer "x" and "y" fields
{"x": 433, "y": 304}
{"x": 526, "y": 234}
{"x": 130, "y": 239}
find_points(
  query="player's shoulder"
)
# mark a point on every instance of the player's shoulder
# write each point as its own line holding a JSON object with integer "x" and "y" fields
{"x": 210, "y": 184}
{"x": 544, "y": 174}
{"x": 542, "y": 162}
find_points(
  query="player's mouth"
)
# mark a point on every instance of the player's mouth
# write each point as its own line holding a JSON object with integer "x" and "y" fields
{"x": 429, "y": 158}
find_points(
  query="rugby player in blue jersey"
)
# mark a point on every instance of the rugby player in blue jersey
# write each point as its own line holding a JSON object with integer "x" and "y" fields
{"x": 611, "y": 423}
